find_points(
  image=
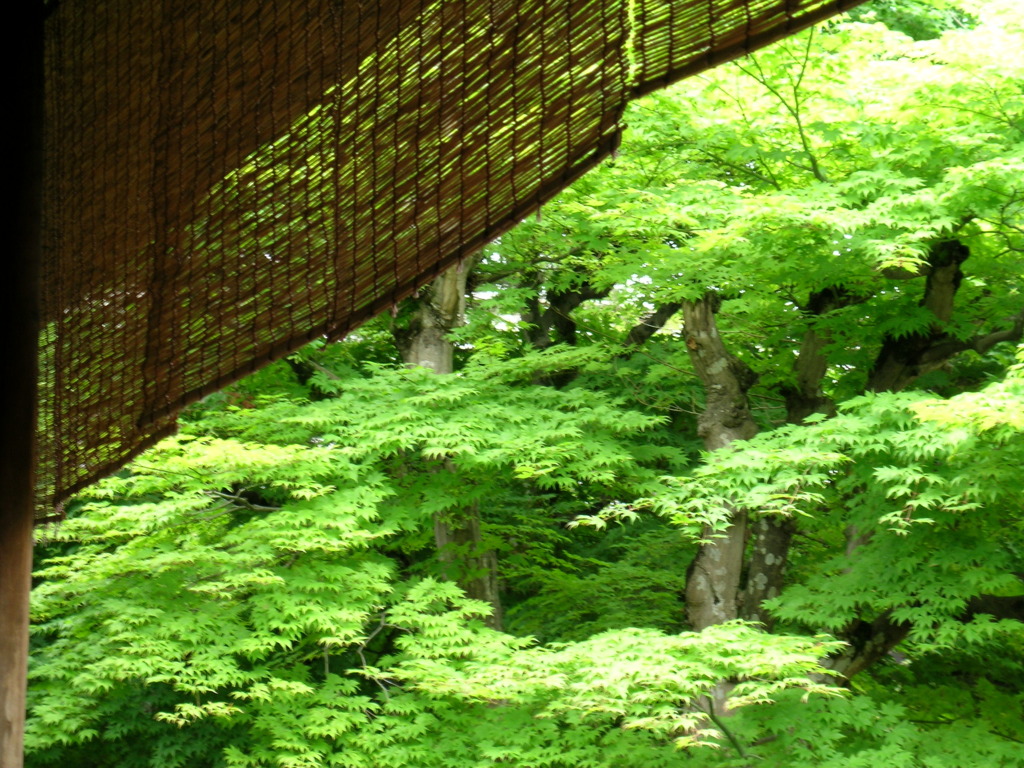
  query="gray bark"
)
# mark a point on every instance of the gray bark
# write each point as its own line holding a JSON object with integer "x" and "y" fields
{"x": 423, "y": 341}
{"x": 805, "y": 395}
{"x": 474, "y": 568}
{"x": 766, "y": 569}
{"x": 712, "y": 586}
{"x": 772, "y": 536}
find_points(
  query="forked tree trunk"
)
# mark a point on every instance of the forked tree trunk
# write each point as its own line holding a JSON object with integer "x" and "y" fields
{"x": 906, "y": 357}
{"x": 713, "y": 593}
{"x": 423, "y": 341}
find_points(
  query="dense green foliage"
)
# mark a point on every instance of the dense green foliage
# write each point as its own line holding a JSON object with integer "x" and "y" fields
{"x": 265, "y": 588}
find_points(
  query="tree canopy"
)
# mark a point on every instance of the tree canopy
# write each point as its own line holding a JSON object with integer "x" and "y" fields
{"x": 717, "y": 462}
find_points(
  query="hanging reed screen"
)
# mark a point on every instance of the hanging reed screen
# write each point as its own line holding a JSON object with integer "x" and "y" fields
{"x": 229, "y": 179}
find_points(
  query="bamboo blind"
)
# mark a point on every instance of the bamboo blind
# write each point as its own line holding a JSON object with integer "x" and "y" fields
{"x": 227, "y": 180}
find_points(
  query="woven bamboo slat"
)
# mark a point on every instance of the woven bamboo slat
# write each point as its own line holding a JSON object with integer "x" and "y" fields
{"x": 228, "y": 180}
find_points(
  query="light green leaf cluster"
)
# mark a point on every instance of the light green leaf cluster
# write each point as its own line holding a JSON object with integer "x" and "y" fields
{"x": 243, "y": 590}
{"x": 636, "y": 679}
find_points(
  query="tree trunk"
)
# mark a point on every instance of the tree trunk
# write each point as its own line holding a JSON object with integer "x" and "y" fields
{"x": 423, "y": 341}
{"x": 459, "y": 545}
{"x": 550, "y": 322}
{"x": 867, "y": 643}
{"x": 805, "y": 396}
{"x": 713, "y": 582}
{"x": 766, "y": 570}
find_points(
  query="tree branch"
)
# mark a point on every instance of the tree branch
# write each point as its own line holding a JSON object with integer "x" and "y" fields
{"x": 868, "y": 643}
{"x": 947, "y": 347}
{"x": 792, "y": 108}
{"x": 903, "y": 359}
{"x": 651, "y": 324}
{"x": 240, "y": 501}
{"x": 996, "y": 606}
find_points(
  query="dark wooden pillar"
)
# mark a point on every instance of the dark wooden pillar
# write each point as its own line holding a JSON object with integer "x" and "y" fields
{"x": 19, "y": 326}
